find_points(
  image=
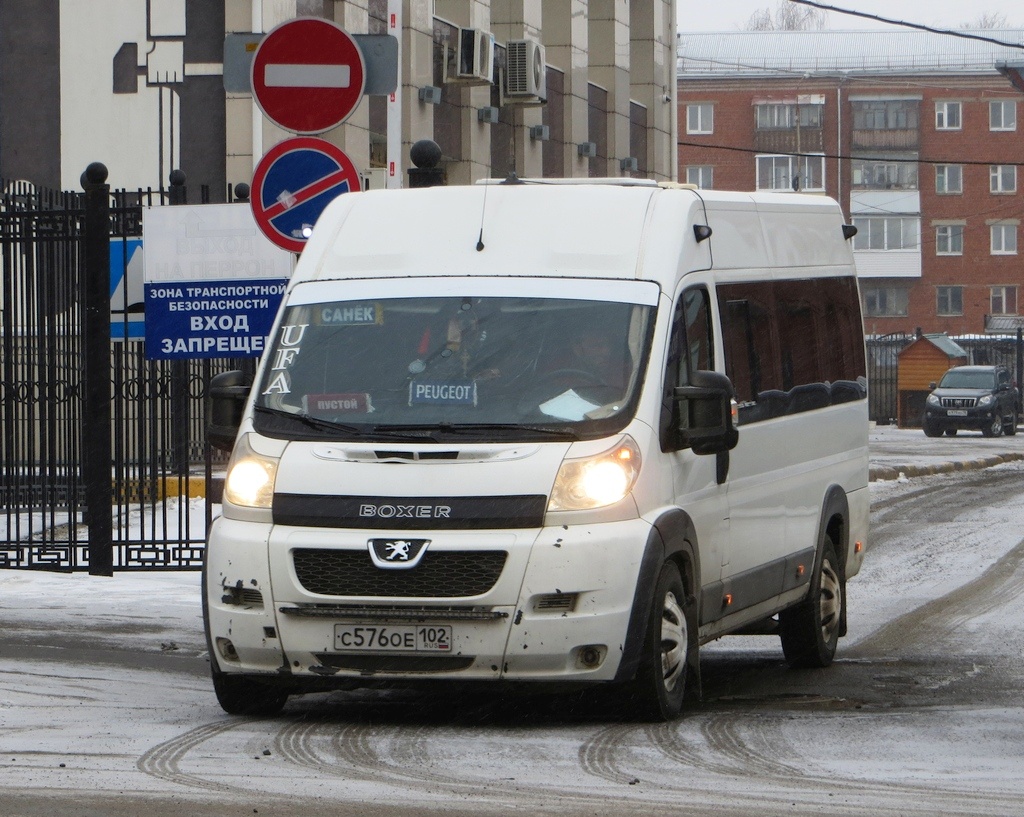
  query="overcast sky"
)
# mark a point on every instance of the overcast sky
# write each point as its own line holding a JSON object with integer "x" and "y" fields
{"x": 732, "y": 15}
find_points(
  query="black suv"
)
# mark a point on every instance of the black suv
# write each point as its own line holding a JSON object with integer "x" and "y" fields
{"x": 978, "y": 397}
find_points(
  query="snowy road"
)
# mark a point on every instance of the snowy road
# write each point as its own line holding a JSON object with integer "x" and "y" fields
{"x": 106, "y": 709}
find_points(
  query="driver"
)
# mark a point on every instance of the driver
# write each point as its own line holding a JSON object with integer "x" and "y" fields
{"x": 589, "y": 358}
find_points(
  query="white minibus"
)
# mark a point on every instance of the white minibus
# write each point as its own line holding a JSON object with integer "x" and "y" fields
{"x": 543, "y": 433}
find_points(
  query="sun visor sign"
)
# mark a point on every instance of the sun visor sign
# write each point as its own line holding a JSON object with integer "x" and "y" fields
{"x": 442, "y": 393}
{"x": 329, "y": 405}
{"x": 350, "y": 315}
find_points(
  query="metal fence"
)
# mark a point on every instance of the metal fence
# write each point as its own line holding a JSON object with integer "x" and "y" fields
{"x": 159, "y": 460}
{"x": 158, "y": 456}
{"x": 883, "y": 366}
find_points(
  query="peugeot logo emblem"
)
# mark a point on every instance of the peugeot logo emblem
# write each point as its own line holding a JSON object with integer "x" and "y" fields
{"x": 397, "y": 554}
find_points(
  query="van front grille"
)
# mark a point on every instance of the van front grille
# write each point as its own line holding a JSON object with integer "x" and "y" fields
{"x": 959, "y": 402}
{"x": 440, "y": 573}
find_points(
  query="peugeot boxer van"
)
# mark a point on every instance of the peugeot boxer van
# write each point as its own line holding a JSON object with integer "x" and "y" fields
{"x": 543, "y": 433}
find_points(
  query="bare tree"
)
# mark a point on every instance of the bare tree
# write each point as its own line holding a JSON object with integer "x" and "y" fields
{"x": 988, "y": 20}
{"x": 787, "y": 16}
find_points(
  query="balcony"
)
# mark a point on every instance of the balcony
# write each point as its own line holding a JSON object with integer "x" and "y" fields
{"x": 789, "y": 140}
{"x": 886, "y": 139}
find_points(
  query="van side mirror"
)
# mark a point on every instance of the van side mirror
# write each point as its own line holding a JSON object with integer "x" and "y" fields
{"x": 931, "y": 386}
{"x": 705, "y": 414}
{"x": 225, "y": 402}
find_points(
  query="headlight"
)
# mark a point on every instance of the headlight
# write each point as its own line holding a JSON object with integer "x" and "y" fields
{"x": 933, "y": 400}
{"x": 594, "y": 482}
{"x": 250, "y": 479}
{"x": 986, "y": 399}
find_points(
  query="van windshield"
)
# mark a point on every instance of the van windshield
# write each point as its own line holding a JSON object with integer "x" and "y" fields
{"x": 457, "y": 367}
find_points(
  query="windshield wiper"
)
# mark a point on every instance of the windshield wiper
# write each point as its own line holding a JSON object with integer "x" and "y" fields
{"x": 312, "y": 422}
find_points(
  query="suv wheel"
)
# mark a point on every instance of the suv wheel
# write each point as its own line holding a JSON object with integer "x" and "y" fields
{"x": 1010, "y": 428}
{"x": 932, "y": 429}
{"x": 950, "y": 432}
{"x": 994, "y": 428}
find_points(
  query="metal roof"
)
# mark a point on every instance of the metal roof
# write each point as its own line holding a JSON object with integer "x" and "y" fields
{"x": 840, "y": 53}
{"x": 1003, "y": 324}
{"x": 946, "y": 345}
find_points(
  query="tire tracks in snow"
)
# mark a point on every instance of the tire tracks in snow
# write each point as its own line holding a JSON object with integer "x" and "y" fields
{"x": 163, "y": 761}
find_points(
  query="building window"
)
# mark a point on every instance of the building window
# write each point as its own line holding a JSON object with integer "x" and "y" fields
{"x": 893, "y": 114}
{"x": 949, "y": 239}
{"x": 1002, "y": 179}
{"x": 949, "y": 300}
{"x": 879, "y": 233}
{"x": 947, "y": 116}
{"x": 700, "y": 118}
{"x": 1002, "y": 115}
{"x": 703, "y": 176}
{"x": 1003, "y": 300}
{"x": 1004, "y": 239}
{"x": 949, "y": 179}
{"x": 791, "y": 173}
{"x": 873, "y": 174}
{"x": 885, "y": 302}
{"x": 785, "y": 116}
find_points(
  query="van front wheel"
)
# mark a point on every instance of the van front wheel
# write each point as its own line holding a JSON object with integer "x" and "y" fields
{"x": 243, "y": 695}
{"x": 810, "y": 631}
{"x": 657, "y": 690}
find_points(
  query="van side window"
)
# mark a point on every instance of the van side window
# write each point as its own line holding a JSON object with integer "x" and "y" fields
{"x": 691, "y": 347}
{"x": 792, "y": 346}
{"x": 692, "y": 327}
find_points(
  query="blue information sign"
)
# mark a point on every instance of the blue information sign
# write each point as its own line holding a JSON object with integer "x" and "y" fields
{"x": 200, "y": 319}
{"x": 293, "y": 183}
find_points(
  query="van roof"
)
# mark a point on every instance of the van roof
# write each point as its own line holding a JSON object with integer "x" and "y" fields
{"x": 561, "y": 228}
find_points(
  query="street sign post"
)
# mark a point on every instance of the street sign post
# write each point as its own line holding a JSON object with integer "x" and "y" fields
{"x": 293, "y": 183}
{"x": 308, "y": 75}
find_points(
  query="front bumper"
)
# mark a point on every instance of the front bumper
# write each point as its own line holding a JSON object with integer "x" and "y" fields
{"x": 971, "y": 418}
{"x": 558, "y": 611}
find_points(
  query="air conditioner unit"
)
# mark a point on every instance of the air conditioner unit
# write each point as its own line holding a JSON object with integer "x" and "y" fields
{"x": 474, "y": 57}
{"x": 526, "y": 72}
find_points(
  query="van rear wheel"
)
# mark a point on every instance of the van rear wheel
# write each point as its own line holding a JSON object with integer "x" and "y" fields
{"x": 810, "y": 631}
{"x": 658, "y": 688}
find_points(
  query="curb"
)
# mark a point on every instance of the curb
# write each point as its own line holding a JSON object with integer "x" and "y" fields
{"x": 878, "y": 473}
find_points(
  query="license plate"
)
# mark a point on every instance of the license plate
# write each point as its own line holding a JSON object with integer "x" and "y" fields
{"x": 392, "y": 638}
{"x": 957, "y": 413}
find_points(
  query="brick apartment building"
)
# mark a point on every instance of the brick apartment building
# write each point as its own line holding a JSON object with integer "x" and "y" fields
{"x": 915, "y": 134}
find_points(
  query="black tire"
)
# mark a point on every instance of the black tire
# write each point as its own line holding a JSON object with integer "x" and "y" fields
{"x": 950, "y": 432}
{"x": 810, "y": 630}
{"x": 932, "y": 429}
{"x": 245, "y": 695}
{"x": 1010, "y": 428}
{"x": 238, "y": 694}
{"x": 994, "y": 428}
{"x": 657, "y": 690}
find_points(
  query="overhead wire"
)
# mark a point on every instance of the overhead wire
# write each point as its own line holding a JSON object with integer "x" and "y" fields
{"x": 962, "y": 33}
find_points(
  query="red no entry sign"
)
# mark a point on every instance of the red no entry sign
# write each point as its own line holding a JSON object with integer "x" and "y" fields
{"x": 308, "y": 75}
